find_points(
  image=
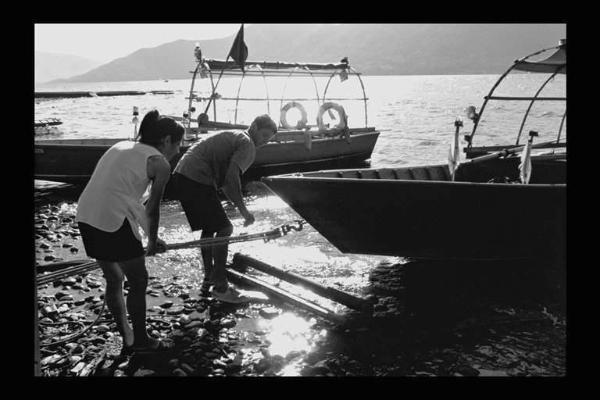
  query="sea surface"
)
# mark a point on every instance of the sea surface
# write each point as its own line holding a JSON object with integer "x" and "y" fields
{"x": 415, "y": 115}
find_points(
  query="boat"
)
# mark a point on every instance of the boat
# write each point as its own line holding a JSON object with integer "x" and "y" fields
{"x": 303, "y": 146}
{"x": 480, "y": 210}
{"x": 46, "y": 126}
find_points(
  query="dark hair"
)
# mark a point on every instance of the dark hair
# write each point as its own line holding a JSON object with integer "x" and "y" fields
{"x": 155, "y": 127}
{"x": 264, "y": 121}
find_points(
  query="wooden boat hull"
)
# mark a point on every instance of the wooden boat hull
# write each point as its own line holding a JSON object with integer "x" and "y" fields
{"x": 74, "y": 160}
{"x": 417, "y": 212}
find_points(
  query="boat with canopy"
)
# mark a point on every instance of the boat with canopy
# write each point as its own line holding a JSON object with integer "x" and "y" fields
{"x": 502, "y": 202}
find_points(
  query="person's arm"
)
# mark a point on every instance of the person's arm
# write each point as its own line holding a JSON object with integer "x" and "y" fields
{"x": 159, "y": 172}
{"x": 233, "y": 190}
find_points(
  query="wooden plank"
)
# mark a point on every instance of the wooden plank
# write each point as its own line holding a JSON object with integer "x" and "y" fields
{"x": 283, "y": 295}
{"x": 327, "y": 292}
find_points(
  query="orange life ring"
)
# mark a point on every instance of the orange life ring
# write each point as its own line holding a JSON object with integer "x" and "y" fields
{"x": 332, "y": 106}
{"x": 283, "y": 120}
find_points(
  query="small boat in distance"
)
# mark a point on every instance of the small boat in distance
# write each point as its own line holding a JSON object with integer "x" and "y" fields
{"x": 482, "y": 210}
{"x": 46, "y": 126}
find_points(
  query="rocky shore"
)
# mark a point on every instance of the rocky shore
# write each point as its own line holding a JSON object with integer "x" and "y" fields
{"x": 429, "y": 319}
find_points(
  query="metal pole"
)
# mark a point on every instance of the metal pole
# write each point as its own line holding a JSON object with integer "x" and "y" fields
{"x": 215, "y": 87}
{"x": 285, "y": 87}
{"x": 192, "y": 87}
{"x": 237, "y": 98}
{"x": 364, "y": 93}
{"x": 476, "y": 124}
{"x": 316, "y": 87}
{"x": 561, "y": 126}
{"x": 533, "y": 101}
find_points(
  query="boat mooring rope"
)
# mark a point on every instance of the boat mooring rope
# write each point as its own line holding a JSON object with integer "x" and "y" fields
{"x": 275, "y": 233}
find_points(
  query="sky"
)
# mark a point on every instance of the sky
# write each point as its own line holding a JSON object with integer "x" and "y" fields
{"x": 105, "y": 42}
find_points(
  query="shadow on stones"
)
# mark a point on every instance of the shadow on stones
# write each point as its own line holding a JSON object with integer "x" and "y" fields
{"x": 425, "y": 306}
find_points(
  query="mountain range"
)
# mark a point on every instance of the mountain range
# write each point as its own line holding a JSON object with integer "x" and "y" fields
{"x": 51, "y": 66}
{"x": 373, "y": 49}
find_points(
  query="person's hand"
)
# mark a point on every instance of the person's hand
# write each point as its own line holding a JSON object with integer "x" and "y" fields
{"x": 248, "y": 219}
{"x": 160, "y": 246}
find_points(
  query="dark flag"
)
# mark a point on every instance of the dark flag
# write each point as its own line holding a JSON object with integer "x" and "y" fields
{"x": 239, "y": 50}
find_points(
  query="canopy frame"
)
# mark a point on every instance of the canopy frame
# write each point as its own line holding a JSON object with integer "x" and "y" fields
{"x": 533, "y": 99}
{"x": 265, "y": 69}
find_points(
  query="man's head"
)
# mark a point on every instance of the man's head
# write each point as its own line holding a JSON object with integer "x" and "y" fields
{"x": 262, "y": 129}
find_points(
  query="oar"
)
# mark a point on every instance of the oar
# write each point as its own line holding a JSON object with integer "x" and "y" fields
{"x": 506, "y": 152}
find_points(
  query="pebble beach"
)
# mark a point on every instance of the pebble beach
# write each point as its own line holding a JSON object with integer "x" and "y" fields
{"x": 428, "y": 319}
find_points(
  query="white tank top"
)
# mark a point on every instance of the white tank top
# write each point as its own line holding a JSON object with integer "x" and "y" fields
{"x": 116, "y": 189}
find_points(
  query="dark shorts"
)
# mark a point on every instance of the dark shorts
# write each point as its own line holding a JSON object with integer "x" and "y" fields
{"x": 121, "y": 245}
{"x": 201, "y": 205}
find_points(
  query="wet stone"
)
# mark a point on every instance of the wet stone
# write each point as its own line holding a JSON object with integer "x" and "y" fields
{"x": 74, "y": 249}
{"x": 49, "y": 258}
{"x": 93, "y": 284}
{"x": 67, "y": 245}
{"x": 188, "y": 369}
{"x": 102, "y": 328}
{"x": 167, "y": 304}
{"x": 59, "y": 295}
{"x": 175, "y": 311}
{"x": 69, "y": 281}
{"x": 227, "y": 322}
{"x": 193, "y": 324}
{"x": 63, "y": 308}
{"x": 179, "y": 372}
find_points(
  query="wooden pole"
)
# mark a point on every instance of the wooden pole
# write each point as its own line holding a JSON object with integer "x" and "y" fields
{"x": 328, "y": 292}
{"x": 283, "y": 295}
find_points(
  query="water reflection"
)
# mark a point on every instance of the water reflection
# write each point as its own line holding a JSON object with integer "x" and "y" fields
{"x": 291, "y": 337}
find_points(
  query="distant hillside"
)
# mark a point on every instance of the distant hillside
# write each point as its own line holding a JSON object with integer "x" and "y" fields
{"x": 50, "y": 66}
{"x": 374, "y": 49}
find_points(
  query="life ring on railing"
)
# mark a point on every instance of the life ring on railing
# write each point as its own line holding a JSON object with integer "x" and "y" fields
{"x": 283, "y": 118}
{"x": 342, "y": 125}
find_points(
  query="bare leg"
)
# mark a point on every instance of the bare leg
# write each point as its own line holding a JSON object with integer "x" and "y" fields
{"x": 219, "y": 259}
{"x": 207, "y": 256}
{"x": 137, "y": 275}
{"x": 115, "y": 301}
